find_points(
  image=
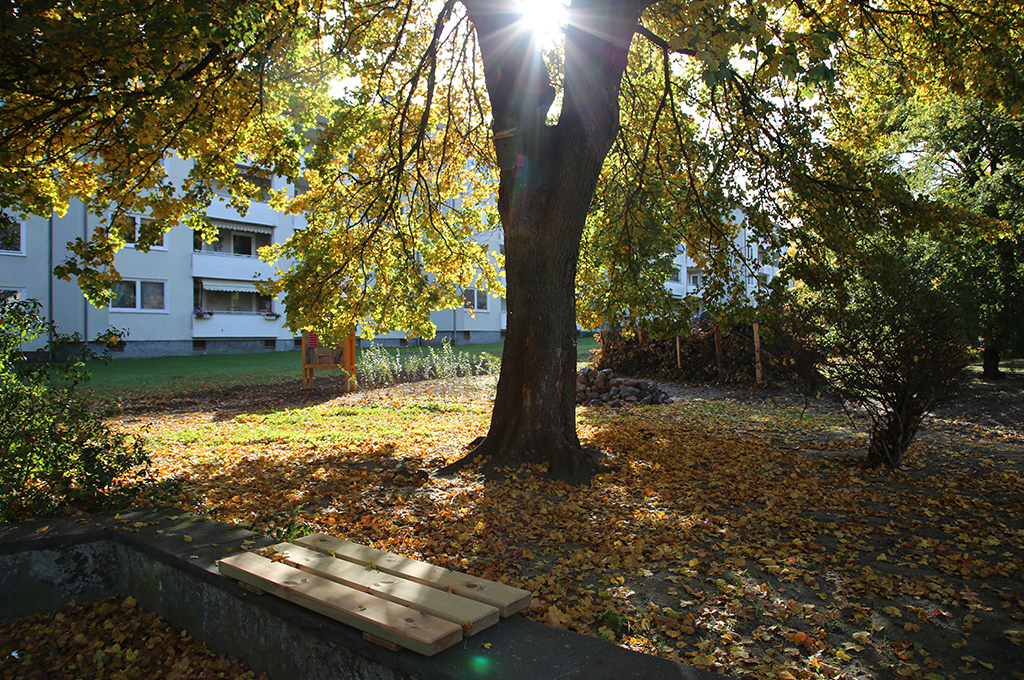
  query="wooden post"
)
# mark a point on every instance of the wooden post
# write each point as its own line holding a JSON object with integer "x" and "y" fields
{"x": 719, "y": 353}
{"x": 758, "y": 371}
{"x": 679, "y": 353}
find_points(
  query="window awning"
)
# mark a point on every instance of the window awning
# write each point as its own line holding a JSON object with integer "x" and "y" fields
{"x": 241, "y": 226}
{"x": 227, "y": 286}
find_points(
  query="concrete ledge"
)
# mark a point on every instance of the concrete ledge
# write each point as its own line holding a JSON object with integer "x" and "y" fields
{"x": 46, "y": 563}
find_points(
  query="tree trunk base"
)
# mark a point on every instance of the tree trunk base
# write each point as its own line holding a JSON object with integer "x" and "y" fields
{"x": 990, "y": 364}
{"x": 564, "y": 461}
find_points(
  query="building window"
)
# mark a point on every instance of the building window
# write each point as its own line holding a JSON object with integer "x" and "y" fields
{"x": 475, "y": 299}
{"x": 139, "y": 296}
{"x": 199, "y": 345}
{"x": 241, "y": 240}
{"x": 465, "y": 335}
{"x": 241, "y": 244}
{"x": 10, "y": 235}
{"x": 135, "y": 225}
{"x": 674, "y": 276}
{"x": 262, "y": 183}
{"x": 257, "y": 178}
{"x": 269, "y": 343}
{"x": 695, "y": 280}
{"x": 11, "y": 294}
{"x": 298, "y": 343}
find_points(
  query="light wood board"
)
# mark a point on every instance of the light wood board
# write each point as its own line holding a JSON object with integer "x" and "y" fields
{"x": 473, "y": 616}
{"x": 402, "y": 625}
{"x": 505, "y": 598}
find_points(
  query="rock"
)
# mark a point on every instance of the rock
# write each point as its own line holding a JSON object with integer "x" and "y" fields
{"x": 595, "y": 387}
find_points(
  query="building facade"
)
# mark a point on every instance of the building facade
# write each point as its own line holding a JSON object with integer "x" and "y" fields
{"x": 189, "y": 296}
{"x": 184, "y": 296}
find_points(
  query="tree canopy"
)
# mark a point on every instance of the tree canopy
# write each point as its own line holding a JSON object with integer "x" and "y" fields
{"x": 459, "y": 117}
{"x": 95, "y": 95}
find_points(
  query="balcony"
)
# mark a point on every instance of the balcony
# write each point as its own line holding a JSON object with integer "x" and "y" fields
{"x": 238, "y": 325}
{"x": 228, "y": 266}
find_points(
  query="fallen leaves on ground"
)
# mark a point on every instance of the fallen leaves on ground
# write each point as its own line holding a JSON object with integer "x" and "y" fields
{"x": 113, "y": 638}
{"x": 737, "y": 537}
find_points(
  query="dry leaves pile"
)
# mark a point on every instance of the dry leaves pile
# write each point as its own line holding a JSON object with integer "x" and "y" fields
{"x": 734, "y": 537}
{"x": 108, "y": 639}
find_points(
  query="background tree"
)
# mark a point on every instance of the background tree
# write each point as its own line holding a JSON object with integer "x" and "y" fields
{"x": 451, "y": 100}
{"x": 963, "y": 150}
{"x": 971, "y": 154}
{"x": 95, "y": 95}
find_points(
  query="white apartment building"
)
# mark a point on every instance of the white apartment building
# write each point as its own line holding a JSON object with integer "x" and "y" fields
{"x": 688, "y": 277}
{"x": 188, "y": 296}
{"x": 162, "y": 289}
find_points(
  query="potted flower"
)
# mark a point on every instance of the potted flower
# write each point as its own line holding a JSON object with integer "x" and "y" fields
{"x": 202, "y": 313}
{"x": 270, "y": 315}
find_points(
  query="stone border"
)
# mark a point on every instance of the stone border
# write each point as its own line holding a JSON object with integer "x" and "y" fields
{"x": 46, "y": 563}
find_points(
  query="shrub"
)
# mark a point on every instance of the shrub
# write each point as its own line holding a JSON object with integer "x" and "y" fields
{"x": 378, "y": 367}
{"x": 895, "y": 347}
{"x": 54, "y": 451}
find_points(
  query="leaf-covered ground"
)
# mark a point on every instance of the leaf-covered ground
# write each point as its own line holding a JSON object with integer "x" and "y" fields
{"x": 739, "y": 533}
{"x": 108, "y": 639}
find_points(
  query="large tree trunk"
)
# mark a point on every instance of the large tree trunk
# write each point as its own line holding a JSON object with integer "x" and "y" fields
{"x": 543, "y": 202}
{"x": 990, "y": 364}
{"x": 534, "y": 417}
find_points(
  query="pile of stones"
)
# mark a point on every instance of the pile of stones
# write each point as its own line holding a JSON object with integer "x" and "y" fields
{"x": 604, "y": 388}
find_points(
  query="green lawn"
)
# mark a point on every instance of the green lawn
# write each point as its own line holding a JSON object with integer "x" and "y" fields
{"x": 166, "y": 375}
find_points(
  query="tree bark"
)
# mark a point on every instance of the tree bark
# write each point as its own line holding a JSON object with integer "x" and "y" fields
{"x": 543, "y": 202}
{"x": 990, "y": 364}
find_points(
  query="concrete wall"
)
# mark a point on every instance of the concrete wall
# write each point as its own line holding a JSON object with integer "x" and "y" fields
{"x": 44, "y": 564}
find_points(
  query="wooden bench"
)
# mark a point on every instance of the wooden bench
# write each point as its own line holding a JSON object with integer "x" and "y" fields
{"x": 315, "y": 357}
{"x": 396, "y": 601}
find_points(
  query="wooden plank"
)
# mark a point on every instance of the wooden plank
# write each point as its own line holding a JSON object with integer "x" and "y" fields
{"x": 507, "y": 599}
{"x": 386, "y": 644}
{"x": 404, "y": 626}
{"x": 473, "y": 616}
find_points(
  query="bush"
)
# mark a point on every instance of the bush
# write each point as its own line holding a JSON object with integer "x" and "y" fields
{"x": 378, "y": 367}
{"x": 895, "y": 347}
{"x": 54, "y": 451}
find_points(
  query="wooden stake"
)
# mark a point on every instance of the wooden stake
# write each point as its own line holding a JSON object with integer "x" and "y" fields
{"x": 758, "y": 371}
{"x": 719, "y": 353}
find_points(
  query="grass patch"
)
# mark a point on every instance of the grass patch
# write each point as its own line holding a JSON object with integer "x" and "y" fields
{"x": 169, "y": 375}
{"x": 161, "y": 376}
{"x": 316, "y": 426}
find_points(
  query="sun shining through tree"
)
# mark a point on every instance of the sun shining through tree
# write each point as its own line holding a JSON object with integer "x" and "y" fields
{"x": 545, "y": 19}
